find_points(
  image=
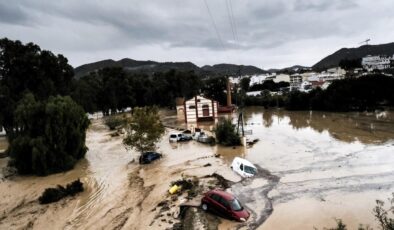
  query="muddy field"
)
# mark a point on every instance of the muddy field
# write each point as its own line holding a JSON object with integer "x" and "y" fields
{"x": 313, "y": 167}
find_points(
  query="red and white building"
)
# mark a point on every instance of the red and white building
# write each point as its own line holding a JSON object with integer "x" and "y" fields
{"x": 198, "y": 109}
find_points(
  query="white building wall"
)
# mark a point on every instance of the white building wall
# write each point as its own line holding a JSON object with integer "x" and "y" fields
{"x": 194, "y": 112}
{"x": 376, "y": 62}
{"x": 282, "y": 77}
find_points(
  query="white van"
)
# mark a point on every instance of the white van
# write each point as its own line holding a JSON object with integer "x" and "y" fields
{"x": 243, "y": 167}
{"x": 173, "y": 137}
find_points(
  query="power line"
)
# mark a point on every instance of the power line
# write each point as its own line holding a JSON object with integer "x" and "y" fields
{"x": 230, "y": 19}
{"x": 214, "y": 25}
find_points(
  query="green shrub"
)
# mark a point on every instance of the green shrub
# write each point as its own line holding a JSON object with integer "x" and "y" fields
{"x": 225, "y": 133}
{"x": 51, "y": 195}
{"x": 114, "y": 121}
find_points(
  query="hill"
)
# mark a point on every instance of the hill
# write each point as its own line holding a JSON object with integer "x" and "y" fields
{"x": 354, "y": 53}
{"x": 150, "y": 67}
{"x": 291, "y": 69}
{"x": 130, "y": 65}
{"x": 232, "y": 70}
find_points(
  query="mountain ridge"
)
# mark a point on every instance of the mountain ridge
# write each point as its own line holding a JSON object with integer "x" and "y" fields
{"x": 150, "y": 67}
{"x": 333, "y": 59}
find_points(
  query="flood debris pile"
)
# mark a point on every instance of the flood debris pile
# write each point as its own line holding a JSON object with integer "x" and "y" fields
{"x": 191, "y": 186}
{"x": 189, "y": 214}
{"x": 51, "y": 195}
{"x": 219, "y": 183}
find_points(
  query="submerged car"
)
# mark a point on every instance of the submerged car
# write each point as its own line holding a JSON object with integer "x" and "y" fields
{"x": 224, "y": 204}
{"x": 243, "y": 167}
{"x": 148, "y": 157}
{"x": 173, "y": 137}
{"x": 184, "y": 137}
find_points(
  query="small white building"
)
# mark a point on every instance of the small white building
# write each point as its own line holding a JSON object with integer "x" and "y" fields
{"x": 199, "y": 108}
{"x": 379, "y": 62}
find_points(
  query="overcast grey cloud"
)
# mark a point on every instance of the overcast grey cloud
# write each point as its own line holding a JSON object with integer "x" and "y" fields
{"x": 270, "y": 33}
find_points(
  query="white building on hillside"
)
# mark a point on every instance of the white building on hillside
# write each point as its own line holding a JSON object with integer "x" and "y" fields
{"x": 295, "y": 82}
{"x": 379, "y": 62}
{"x": 282, "y": 77}
{"x": 258, "y": 79}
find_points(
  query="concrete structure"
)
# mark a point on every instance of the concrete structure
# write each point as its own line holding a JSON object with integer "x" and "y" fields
{"x": 199, "y": 109}
{"x": 253, "y": 93}
{"x": 295, "y": 82}
{"x": 282, "y": 77}
{"x": 337, "y": 71}
{"x": 379, "y": 62}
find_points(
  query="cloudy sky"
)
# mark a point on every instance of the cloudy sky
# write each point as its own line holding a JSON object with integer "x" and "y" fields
{"x": 264, "y": 33}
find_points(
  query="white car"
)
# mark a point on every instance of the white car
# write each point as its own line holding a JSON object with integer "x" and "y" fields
{"x": 173, "y": 137}
{"x": 243, "y": 167}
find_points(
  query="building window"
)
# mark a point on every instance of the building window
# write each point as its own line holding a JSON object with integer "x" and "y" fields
{"x": 192, "y": 107}
{"x": 205, "y": 106}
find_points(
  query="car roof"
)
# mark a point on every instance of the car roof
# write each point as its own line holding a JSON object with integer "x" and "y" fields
{"x": 243, "y": 161}
{"x": 223, "y": 194}
{"x": 149, "y": 152}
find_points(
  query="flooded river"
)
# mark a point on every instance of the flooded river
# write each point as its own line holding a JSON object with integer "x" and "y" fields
{"x": 330, "y": 165}
{"x": 314, "y": 167}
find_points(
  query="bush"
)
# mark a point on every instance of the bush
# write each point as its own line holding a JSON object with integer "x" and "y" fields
{"x": 114, "y": 121}
{"x": 51, "y": 195}
{"x": 50, "y": 137}
{"x": 225, "y": 133}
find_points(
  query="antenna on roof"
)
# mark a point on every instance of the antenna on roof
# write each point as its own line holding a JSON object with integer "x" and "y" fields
{"x": 366, "y": 41}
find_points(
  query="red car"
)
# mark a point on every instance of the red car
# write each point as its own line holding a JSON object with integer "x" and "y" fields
{"x": 224, "y": 204}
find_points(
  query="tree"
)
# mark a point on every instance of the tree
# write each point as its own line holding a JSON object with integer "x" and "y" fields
{"x": 225, "y": 133}
{"x": 50, "y": 135}
{"x": 244, "y": 83}
{"x": 144, "y": 129}
{"x": 215, "y": 88}
{"x": 27, "y": 68}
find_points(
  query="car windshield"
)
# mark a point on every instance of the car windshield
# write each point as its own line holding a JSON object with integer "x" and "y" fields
{"x": 235, "y": 205}
{"x": 250, "y": 170}
{"x": 173, "y": 136}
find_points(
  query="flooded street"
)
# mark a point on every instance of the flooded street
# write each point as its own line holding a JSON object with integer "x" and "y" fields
{"x": 330, "y": 165}
{"x": 313, "y": 167}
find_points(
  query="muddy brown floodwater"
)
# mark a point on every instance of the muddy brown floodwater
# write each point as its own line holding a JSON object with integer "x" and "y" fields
{"x": 330, "y": 165}
{"x": 313, "y": 167}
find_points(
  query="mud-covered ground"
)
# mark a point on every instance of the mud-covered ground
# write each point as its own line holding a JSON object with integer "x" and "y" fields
{"x": 313, "y": 167}
{"x": 119, "y": 193}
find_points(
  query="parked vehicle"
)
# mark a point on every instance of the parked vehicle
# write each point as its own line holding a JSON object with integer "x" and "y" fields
{"x": 183, "y": 137}
{"x": 243, "y": 167}
{"x": 148, "y": 157}
{"x": 187, "y": 133}
{"x": 224, "y": 204}
{"x": 173, "y": 137}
